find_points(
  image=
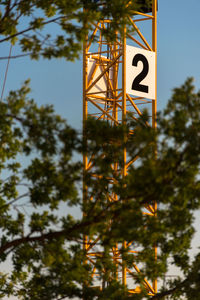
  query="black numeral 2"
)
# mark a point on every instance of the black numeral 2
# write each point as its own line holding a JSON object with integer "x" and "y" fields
{"x": 136, "y": 82}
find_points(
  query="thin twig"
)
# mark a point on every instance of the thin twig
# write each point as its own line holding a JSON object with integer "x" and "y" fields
{"x": 29, "y": 29}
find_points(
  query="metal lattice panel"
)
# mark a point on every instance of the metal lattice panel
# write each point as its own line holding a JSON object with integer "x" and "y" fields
{"x": 105, "y": 98}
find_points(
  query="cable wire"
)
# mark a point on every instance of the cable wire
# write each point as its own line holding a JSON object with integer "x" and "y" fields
{"x": 6, "y": 73}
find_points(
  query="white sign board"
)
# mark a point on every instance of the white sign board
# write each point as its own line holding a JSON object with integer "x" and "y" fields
{"x": 140, "y": 72}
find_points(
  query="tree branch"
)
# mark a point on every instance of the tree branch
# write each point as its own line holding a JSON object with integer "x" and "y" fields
{"x": 170, "y": 291}
{"x": 15, "y": 56}
{"x": 57, "y": 234}
{"x": 14, "y": 200}
{"x": 7, "y": 11}
{"x": 29, "y": 29}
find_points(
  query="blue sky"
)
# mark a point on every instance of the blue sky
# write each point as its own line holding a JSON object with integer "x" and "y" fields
{"x": 60, "y": 82}
{"x": 178, "y": 45}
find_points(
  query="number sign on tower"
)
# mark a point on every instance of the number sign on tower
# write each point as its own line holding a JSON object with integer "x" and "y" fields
{"x": 140, "y": 72}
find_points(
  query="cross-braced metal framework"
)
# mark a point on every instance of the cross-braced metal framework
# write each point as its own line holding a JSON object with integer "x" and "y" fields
{"x": 105, "y": 98}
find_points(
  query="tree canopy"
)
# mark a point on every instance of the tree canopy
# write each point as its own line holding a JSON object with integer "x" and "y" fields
{"x": 41, "y": 179}
{"x": 56, "y": 28}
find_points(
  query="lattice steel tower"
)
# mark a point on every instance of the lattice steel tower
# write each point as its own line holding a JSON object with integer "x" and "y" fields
{"x": 105, "y": 97}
